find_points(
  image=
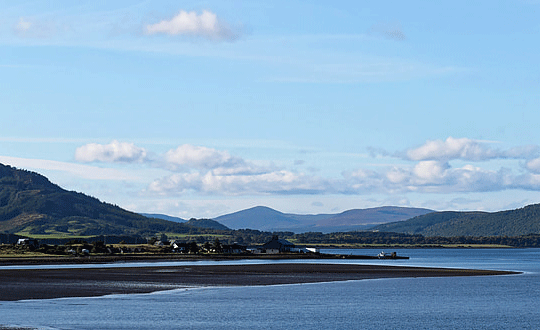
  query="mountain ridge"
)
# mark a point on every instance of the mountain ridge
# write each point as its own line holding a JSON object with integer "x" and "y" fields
{"x": 268, "y": 219}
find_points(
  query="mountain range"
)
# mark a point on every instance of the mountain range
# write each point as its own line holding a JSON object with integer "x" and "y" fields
{"x": 267, "y": 219}
{"x": 31, "y": 205}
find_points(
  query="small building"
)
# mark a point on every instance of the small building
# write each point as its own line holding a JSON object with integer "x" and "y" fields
{"x": 277, "y": 245}
{"x": 254, "y": 250}
{"x": 234, "y": 249}
{"x": 28, "y": 242}
{"x": 180, "y": 247}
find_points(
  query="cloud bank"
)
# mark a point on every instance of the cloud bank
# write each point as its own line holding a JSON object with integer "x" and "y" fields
{"x": 205, "y": 25}
{"x": 429, "y": 168}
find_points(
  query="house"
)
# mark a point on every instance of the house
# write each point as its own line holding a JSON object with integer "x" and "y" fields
{"x": 254, "y": 250}
{"x": 277, "y": 245}
{"x": 28, "y": 242}
{"x": 179, "y": 246}
{"x": 233, "y": 249}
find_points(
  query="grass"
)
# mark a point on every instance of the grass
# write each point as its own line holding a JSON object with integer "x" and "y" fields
{"x": 54, "y": 236}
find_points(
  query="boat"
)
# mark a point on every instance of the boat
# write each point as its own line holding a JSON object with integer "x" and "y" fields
{"x": 393, "y": 255}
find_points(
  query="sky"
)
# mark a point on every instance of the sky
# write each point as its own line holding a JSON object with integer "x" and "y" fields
{"x": 197, "y": 109}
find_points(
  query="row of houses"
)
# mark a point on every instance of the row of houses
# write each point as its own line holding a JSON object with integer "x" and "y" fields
{"x": 274, "y": 246}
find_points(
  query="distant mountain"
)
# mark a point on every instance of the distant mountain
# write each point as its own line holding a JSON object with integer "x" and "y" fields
{"x": 164, "y": 217}
{"x": 31, "y": 205}
{"x": 516, "y": 222}
{"x": 196, "y": 223}
{"x": 267, "y": 219}
{"x": 260, "y": 218}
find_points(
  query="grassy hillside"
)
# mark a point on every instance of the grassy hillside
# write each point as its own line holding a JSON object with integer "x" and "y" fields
{"x": 31, "y": 205}
{"x": 516, "y": 222}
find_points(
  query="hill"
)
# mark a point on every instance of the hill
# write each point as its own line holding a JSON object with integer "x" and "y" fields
{"x": 31, "y": 205}
{"x": 259, "y": 218}
{"x": 516, "y": 222}
{"x": 164, "y": 217}
{"x": 206, "y": 223}
{"x": 265, "y": 218}
{"x": 360, "y": 219}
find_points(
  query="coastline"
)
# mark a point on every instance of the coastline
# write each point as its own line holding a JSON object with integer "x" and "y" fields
{"x": 87, "y": 282}
{"x": 49, "y": 260}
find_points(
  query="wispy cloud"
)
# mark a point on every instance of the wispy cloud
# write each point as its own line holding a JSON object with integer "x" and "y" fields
{"x": 467, "y": 149}
{"x": 205, "y": 25}
{"x": 32, "y": 28}
{"x": 78, "y": 170}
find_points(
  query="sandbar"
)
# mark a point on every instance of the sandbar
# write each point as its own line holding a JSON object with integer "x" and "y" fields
{"x": 22, "y": 284}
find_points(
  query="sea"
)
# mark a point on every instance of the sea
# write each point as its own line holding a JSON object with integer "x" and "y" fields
{"x": 477, "y": 302}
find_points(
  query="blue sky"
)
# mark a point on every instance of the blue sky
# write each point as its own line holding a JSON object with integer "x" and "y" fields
{"x": 202, "y": 108}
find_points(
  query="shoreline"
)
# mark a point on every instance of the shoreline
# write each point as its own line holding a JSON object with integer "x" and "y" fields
{"x": 89, "y": 282}
{"x": 46, "y": 260}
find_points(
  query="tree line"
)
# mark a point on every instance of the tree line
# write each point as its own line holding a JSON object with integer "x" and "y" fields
{"x": 249, "y": 237}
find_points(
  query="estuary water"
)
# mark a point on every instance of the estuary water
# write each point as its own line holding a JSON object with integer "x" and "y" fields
{"x": 484, "y": 302}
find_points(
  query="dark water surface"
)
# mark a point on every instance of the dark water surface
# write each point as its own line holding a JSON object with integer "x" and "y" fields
{"x": 485, "y": 302}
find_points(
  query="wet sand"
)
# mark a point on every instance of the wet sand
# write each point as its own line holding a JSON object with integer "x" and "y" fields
{"x": 58, "y": 283}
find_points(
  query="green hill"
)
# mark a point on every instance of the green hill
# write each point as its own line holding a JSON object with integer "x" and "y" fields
{"x": 31, "y": 205}
{"x": 516, "y": 222}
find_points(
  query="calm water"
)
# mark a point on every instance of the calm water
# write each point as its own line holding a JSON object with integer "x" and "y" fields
{"x": 490, "y": 302}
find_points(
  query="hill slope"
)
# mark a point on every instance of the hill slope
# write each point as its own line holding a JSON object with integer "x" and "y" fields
{"x": 164, "y": 217}
{"x": 265, "y": 218}
{"x": 30, "y": 204}
{"x": 516, "y": 222}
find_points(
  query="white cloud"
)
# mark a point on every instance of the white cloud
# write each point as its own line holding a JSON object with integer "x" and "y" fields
{"x": 525, "y": 152}
{"x": 430, "y": 171}
{"x": 208, "y": 171}
{"x": 452, "y": 148}
{"x": 276, "y": 182}
{"x": 200, "y": 157}
{"x": 113, "y": 152}
{"x": 436, "y": 177}
{"x": 206, "y": 25}
{"x": 534, "y": 165}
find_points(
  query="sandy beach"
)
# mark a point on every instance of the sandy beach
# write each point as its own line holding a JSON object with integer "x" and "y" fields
{"x": 58, "y": 283}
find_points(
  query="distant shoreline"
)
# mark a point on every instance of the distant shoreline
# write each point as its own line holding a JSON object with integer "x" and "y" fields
{"x": 59, "y": 283}
{"x": 5, "y": 261}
